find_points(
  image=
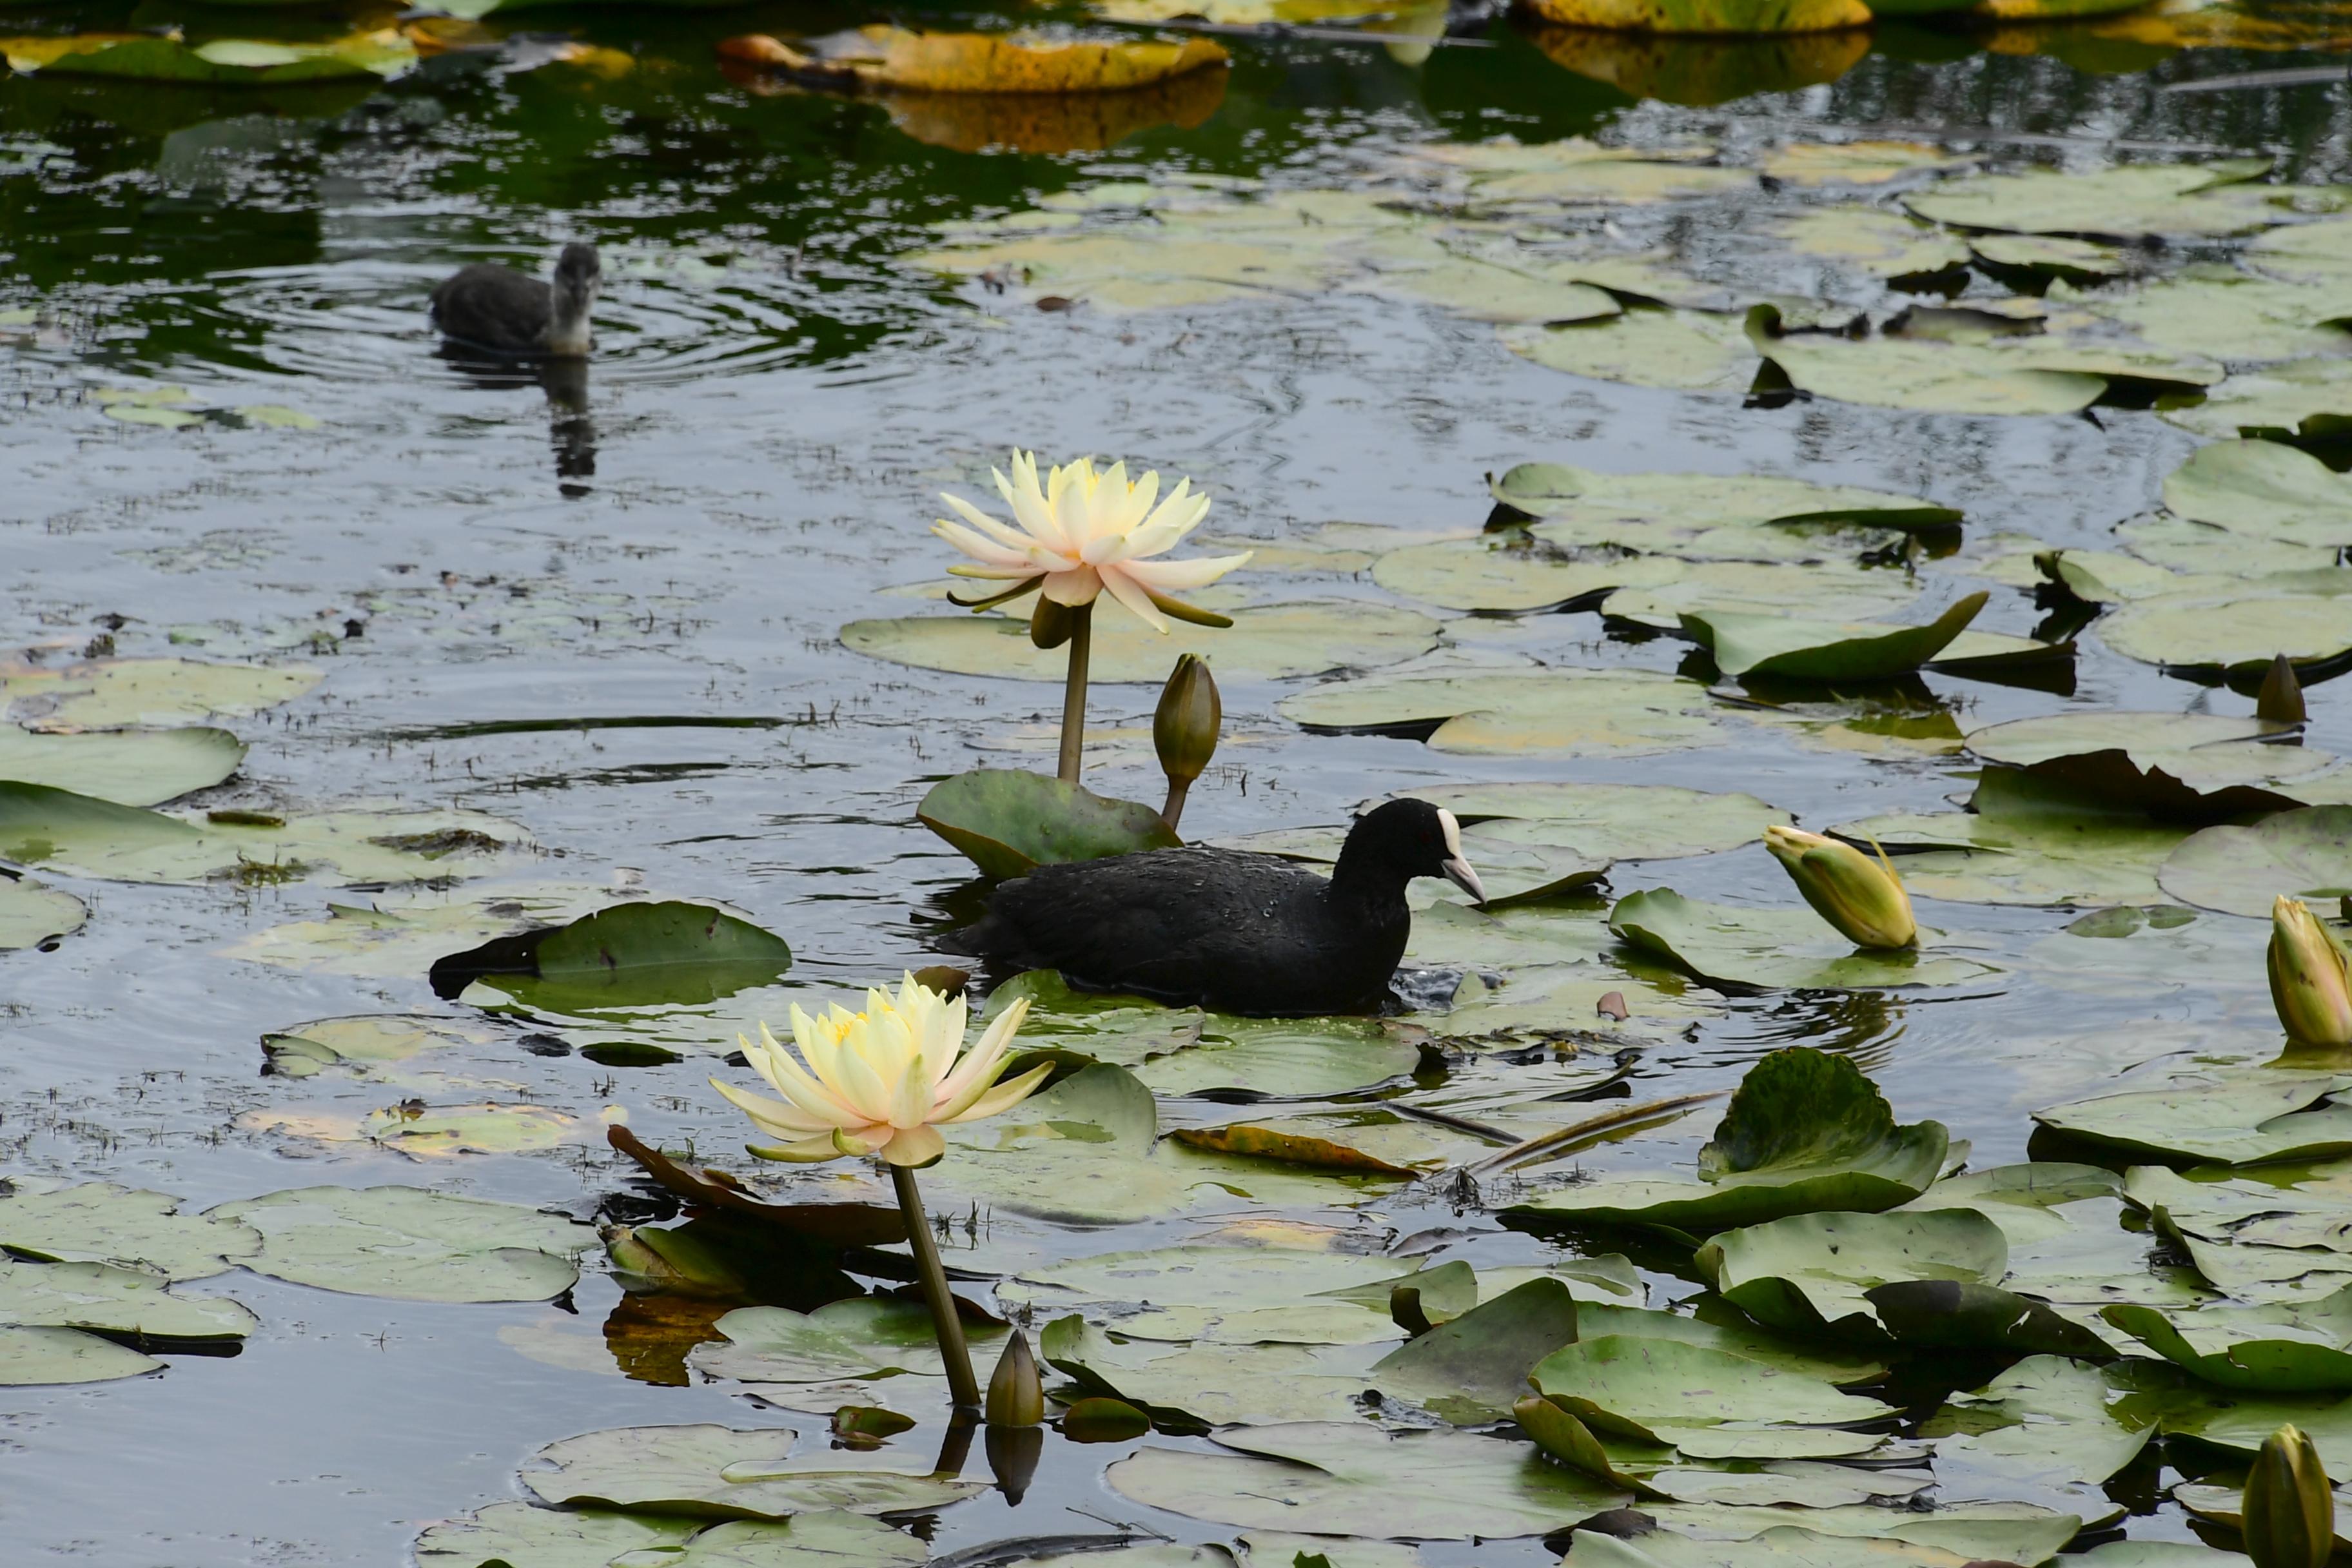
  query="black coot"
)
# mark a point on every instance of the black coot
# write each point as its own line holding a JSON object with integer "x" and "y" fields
{"x": 496, "y": 307}
{"x": 1227, "y": 929}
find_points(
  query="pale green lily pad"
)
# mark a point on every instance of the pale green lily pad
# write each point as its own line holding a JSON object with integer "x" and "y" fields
{"x": 1733, "y": 1334}
{"x": 1236, "y": 1295}
{"x": 1505, "y": 710}
{"x": 2227, "y": 1116}
{"x": 2298, "y": 1206}
{"x": 1193, "y": 1386}
{"x": 2303, "y": 854}
{"x": 1283, "y": 1056}
{"x": 1484, "y": 291}
{"x": 99, "y": 1222}
{"x": 2209, "y": 200}
{"x": 1809, "y": 1273}
{"x": 45, "y": 827}
{"x": 518, "y": 1535}
{"x": 1978, "y": 858}
{"x": 129, "y": 767}
{"x": 1270, "y": 642}
{"x": 2309, "y": 397}
{"x": 1776, "y": 949}
{"x": 2282, "y": 1348}
{"x": 368, "y": 1044}
{"x": 2264, "y": 491}
{"x": 2216, "y": 310}
{"x": 1872, "y": 241}
{"x": 1791, "y": 1483}
{"x": 1608, "y": 821}
{"x": 2024, "y": 375}
{"x": 862, "y": 1337}
{"x": 2240, "y": 1423}
{"x": 1356, "y": 1479}
{"x": 1642, "y": 1388}
{"x": 827, "y": 1538}
{"x": 401, "y": 932}
{"x": 411, "y": 1245}
{"x": 1979, "y": 1532}
{"x": 1863, "y": 162}
{"x": 1840, "y": 590}
{"x": 2225, "y": 1505}
{"x": 2235, "y": 634}
{"x": 1782, "y": 1546}
{"x": 37, "y": 1357}
{"x": 1798, "y": 650}
{"x": 1805, "y": 1132}
{"x": 1684, "y": 351}
{"x": 715, "y": 1471}
{"x": 110, "y": 693}
{"x": 2071, "y": 259}
{"x": 2159, "y": 1554}
{"x": 1507, "y": 572}
{"x": 2048, "y": 1424}
{"x": 2206, "y": 550}
{"x": 102, "y": 1298}
{"x": 31, "y": 914}
{"x": 1665, "y": 513}
{"x": 1008, "y": 821}
{"x": 2207, "y": 751}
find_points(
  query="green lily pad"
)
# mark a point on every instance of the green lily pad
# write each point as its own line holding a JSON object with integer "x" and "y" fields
{"x": 518, "y": 1535}
{"x": 2264, "y": 491}
{"x": 1237, "y": 1295}
{"x": 2009, "y": 374}
{"x": 2076, "y": 260}
{"x": 862, "y": 1337}
{"x": 110, "y": 693}
{"x": 1627, "y": 712}
{"x": 103, "y": 1299}
{"x": 1772, "y": 646}
{"x": 2234, "y": 634}
{"x": 2042, "y": 858}
{"x": 1664, "y": 512}
{"x": 1734, "y": 1334}
{"x": 411, "y": 1245}
{"x": 2282, "y": 1348}
{"x": 2311, "y": 398}
{"x": 129, "y": 767}
{"x": 1355, "y": 1479}
{"x": 1979, "y": 1531}
{"x": 45, "y": 827}
{"x": 2217, "y": 310}
{"x": 1873, "y": 241}
{"x": 1191, "y": 1387}
{"x": 2126, "y": 202}
{"x": 1516, "y": 572}
{"x": 1269, "y": 642}
{"x": 1471, "y": 1369}
{"x": 2225, "y": 1505}
{"x": 1009, "y": 821}
{"x": 1837, "y": 589}
{"x": 2047, "y": 1424}
{"x": 1775, "y": 949}
{"x": 1947, "y": 1314}
{"x": 1609, "y": 821}
{"x": 1646, "y": 1389}
{"x": 2224, "y": 1115}
{"x": 1805, "y": 1132}
{"x": 99, "y": 1222}
{"x": 1810, "y": 1273}
{"x": 2303, "y": 854}
{"x": 2299, "y": 1207}
{"x": 364, "y": 1046}
{"x": 719, "y": 1472}
{"x": 36, "y": 1357}
{"x": 2205, "y": 750}
{"x": 402, "y": 931}
{"x": 657, "y": 953}
{"x": 1781, "y": 1546}
{"x": 31, "y": 914}
{"x": 820, "y": 1539}
{"x": 1684, "y": 350}
{"x": 223, "y": 62}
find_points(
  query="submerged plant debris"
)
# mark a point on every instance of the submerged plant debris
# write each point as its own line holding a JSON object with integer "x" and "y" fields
{"x": 421, "y": 775}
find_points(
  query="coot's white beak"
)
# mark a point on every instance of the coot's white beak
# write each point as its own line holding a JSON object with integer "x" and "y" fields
{"x": 1456, "y": 866}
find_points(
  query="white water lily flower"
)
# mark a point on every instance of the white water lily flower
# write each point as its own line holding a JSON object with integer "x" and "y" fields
{"x": 1083, "y": 532}
{"x": 882, "y": 1081}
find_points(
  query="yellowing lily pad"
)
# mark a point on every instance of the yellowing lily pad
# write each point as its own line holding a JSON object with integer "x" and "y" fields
{"x": 880, "y": 56}
{"x": 223, "y": 62}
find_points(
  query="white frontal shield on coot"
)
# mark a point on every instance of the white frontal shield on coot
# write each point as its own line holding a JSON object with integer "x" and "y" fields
{"x": 1457, "y": 867}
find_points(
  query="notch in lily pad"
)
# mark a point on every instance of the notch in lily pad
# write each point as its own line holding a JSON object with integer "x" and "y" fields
{"x": 1008, "y": 822}
{"x": 631, "y": 955}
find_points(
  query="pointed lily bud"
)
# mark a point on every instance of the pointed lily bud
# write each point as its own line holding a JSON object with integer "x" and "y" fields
{"x": 2309, "y": 984}
{"x": 1862, "y": 897}
{"x": 2290, "y": 1513}
{"x": 1016, "y": 1397}
{"x": 2280, "y": 702}
{"x": 1184, "y": 728}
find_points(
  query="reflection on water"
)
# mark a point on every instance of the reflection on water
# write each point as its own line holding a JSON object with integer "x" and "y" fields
{"x": 571, "y": 426}
{"x": 1701, "y": 71}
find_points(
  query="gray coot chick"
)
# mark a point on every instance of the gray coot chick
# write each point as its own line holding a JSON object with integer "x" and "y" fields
{"x": 1229, "y": 929}
{"x": 496, "y": 307}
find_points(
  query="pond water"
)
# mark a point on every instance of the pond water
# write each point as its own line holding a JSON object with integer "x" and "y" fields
{"x": 487, "y": 570}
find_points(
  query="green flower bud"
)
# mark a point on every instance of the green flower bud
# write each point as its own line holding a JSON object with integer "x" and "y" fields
{"x": 1184, "y": 729}
{"x": 1016, "y": 1397}
{"x": 2309, "y": 984}
{"x": 2290, "y": 1511}
{"x": 1862, "y": 897}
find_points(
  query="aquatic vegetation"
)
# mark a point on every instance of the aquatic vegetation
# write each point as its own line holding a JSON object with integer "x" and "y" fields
{"x": 2309, "y": 984}
{"x": 880, "y": 57}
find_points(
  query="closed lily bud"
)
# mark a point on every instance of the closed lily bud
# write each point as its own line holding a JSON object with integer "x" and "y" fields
{"x": 646, "y": 1258}
{"x": 2309, "y": 985}
{"x": 1185, "y": 728}
{"x": 2290, "y": 1512}
{"x": 1862, "y": 897}
{"x": 1016, "y": 1397}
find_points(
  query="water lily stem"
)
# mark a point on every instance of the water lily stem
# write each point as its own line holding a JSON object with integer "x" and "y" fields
{"x": 1073, "y": 695}
{"x": 1174, "y": 810}
{"x": 962, "y": 1386}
